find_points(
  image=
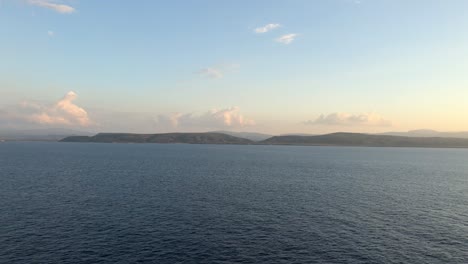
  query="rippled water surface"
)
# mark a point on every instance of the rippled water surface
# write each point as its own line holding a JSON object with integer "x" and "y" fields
{"x": 152, "y": 203}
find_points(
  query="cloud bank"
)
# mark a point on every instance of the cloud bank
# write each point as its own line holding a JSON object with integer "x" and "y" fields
{"x": 60, "y": 8}
{"x": 63, "y": 112}
{"x": 266, "y": 28}
{"x": 346, "y": 119}
{"x": 213, "y": 119}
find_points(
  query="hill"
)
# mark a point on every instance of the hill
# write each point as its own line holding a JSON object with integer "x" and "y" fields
{"x": 335, "y": 139}
{"x": 188, "y": 138}
{"x": 355, "y": 139}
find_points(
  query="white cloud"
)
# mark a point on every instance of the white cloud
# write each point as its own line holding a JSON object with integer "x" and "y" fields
{"x": 345, "y": 119}
{"x": 50, "y": 33}
{"x": 266, "y": 28}
{"x": 171, "y": 120}
{"x": 286, "y": 39}
{"x": 63, "y": 112}
{"x": 213, "y": 119}
{"x": 60, "y": 8}
{"x": 211, "y": 72}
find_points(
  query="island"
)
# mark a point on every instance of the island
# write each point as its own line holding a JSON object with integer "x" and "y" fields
{"x": 334, "y": 139}
{"x": 187, "y": 138}
{"x": 367, "y": 140}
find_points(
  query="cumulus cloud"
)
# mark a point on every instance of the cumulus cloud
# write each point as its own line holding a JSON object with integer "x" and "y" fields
{"x": 266, "y": 28}
{"x": 63, "y": 112}
{"x": 213, "y": 119}
{"x": 345, "y": 119}
{"x": 287, "y": 39}
{"x": 171, "y": 120}
{"x": 60, "y": 8}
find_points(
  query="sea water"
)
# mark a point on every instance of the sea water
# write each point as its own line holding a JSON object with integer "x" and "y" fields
{"x": 177, "y": 203}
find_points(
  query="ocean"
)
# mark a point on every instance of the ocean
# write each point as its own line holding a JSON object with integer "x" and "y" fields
{"x": 179, "y": 203}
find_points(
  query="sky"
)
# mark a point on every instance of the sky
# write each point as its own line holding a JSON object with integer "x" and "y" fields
{"x": 292, "y": 66}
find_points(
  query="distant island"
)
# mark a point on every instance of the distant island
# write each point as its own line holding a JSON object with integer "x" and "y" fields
{"x": 367, "y": 140}
{"x": 187, "y": 138}
{"x": 334, "y": 139}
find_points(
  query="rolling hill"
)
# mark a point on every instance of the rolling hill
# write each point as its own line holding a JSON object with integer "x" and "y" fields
{"x": 356, "y": 139}
{"x": 188, "y": 138}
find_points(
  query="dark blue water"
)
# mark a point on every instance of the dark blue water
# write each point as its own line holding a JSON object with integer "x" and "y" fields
{"x": 151, "y": 203}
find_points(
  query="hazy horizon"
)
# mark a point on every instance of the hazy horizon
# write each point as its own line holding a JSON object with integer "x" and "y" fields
{"x": 281, "y": 67}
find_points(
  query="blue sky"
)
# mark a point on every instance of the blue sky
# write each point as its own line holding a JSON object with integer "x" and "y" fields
{"x": 157, "y": 66}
